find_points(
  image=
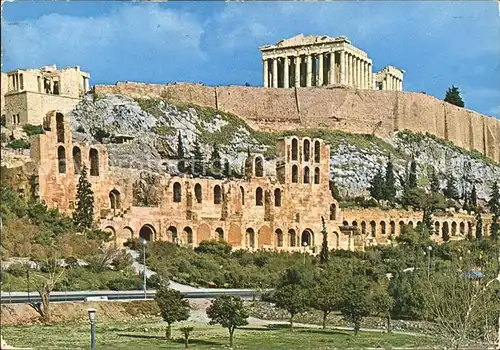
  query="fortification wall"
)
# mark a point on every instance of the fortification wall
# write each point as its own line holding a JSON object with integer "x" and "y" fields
{"x": 350, "y": 110}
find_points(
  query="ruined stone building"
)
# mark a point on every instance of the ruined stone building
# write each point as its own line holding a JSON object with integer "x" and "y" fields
{"x": 28, "y": 94}
{"x": 282, "y": 211}
{"x": 304, "y": 61}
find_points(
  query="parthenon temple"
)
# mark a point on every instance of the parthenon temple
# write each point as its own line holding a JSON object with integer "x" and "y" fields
{"x": 305, "y": 61}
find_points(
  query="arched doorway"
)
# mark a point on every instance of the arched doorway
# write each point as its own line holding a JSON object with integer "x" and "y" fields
{"x": 147, "y": 232}
{"x": 172, "y": 234}
{"x": 292, "y": 237}
{"x": 250, "y": 237}
{"x": 307, "y": 238}
{"x": 220, "y": 233}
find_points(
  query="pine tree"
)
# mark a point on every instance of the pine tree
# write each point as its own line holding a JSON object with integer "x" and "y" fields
{"x": 83, "y": 216}
{"x": 453, "y": 97}
{"x": 377, "y": 186}
{"x": 215, "y": 162}
{"x": 390, "y": 182}
{"x": 479, "y": 226}
{"x": 434, "y": 181}
{"x": 427, "y": 220}
{"x": 473, "y": 198}
{"x": 198, "y": 165}
{"x": 451, "y": 190}
{"x": 324, "y": 255}
{"x": 412, "y": 175}
{"x": 181, "y": 164}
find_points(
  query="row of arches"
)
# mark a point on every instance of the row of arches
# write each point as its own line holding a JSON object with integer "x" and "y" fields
{"x": 77, "y": 160}
{"x": 218, "y": 196}
{"x": 306, "y": 150}
{"x": 306, "y": 175}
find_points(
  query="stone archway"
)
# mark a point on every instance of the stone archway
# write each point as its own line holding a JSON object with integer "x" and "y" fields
{"x": 147, "y": 232}
{"x": 172, "y": 234}
{"x": 234, "y": 235}
{"x": 220, "y": 233}
{"x": 307, "y": 237}
{"x": 112, "y": 230}
{"x": 336, "y": 240}
{"x": 250, "y": 238}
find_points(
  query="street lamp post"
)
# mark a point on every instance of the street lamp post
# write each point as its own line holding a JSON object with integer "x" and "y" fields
{"x": 144, "y": 286}
{"x": 92, "y": 328}
{"x": 28, "y": 283}
{"x": 305, "y": 247}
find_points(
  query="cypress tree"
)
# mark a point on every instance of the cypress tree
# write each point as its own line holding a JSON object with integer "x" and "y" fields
{"x": 451, "y": 190}
{"x": 198, "y": 161}
{"x": 227, "y": 169}
{"x": 494, "y": 206}
{"x": 181, "y": 164}
{"x": 473, "y": 198}
{"x": 479, "y": 226}
{"x": 434, "y": 181}
{"x": 412, "y": 175}
{"x": 215, "y": 162}
{"x": 390, "y": 182}
{"x": 83, "y": 216}
{"x": 453, "y": 96}
{"x": 377, "y": 186}
{"x": 324, "y": 254}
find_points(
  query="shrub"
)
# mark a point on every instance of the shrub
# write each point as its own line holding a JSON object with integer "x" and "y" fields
{"x": 122, "y": 260}
{"x": 31, "y": 130}
{"x": 18, "y": 269}
{"x": 132, "y": 243}
{"x": 124, "y": 283}
{"x": 19, "y": 144}
{"x": 220, "y": 248}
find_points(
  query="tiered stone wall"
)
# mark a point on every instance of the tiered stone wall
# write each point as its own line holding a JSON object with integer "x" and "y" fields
{"x": 356, "y": 111}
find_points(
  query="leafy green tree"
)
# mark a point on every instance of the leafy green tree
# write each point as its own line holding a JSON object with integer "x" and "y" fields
{"x": 181, "y": 164}
{"x": 410, "y": 295}
{"x": 326, "y": 290}
{"x": 229, "y": 312}
{"x": 451, "y": 190}
{"x": 355, "y": 303}
{"x": 198, "y": 166}
{"x": 292, "y": 298}
{"x": 173, "y": 307}
{"x": 377, "y": 186}
{"x": 227, "y": 169}
{"x": 383, "y": 303}
{"x": 389, "y": 188}
{"x": 83, "y": 216}
{"x": 186, "y": 331}
{"x": 479, "y": 226}
{"x": 453, "y": 96}
{"x": 434, "y": 181}
{"x": 215, "y": 161}
{"x": 324, "y": 255}
{"x": 297, "y": 274}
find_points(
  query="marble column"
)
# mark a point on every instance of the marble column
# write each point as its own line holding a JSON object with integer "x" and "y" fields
{"x": 348, "y": 67}
{"x": 342, "y": 67}
{"x": 351, "y": 69}
{"x": 331, "y": 72}
{"x": 365, "y": 75}
{"x": 286, "y": 73}
{"x": 309, "y": 71}
{"x": 370, "y": 76}
{"x": 401, "y": 86}
{"x": 275, "y": 73}
{"x": 384, "y": 84}
{"x": 358, "y": 72}
{"x": 297, "y": 71}
{"x": 266, "y": 73}
{"x": 320, "y": 69}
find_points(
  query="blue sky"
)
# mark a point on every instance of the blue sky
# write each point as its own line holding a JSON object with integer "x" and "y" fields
{"x": 438, "y": 43}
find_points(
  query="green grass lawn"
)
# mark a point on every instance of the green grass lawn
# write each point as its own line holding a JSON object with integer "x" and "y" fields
{"x": 132, "y": 335}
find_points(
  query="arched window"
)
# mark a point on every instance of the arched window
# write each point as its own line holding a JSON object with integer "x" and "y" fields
{"x": 217, "y": 195}
{"x": 242, "y": 191}
{"x": 373, "y": 226}
{"x": 316, "y": 175}
{"x": 307, "y": 175}
{"x": 60, "y": 127}
{"x": 306, "y": 239}
{"x": 198, "y": 193}
{"x": 383, "y": 228}
{"x": 393, "y": 228}
{"x": 258, "y": 196}
{"x": 453, "y": 228}
{"x": 363, "y": 227}
{"x": 293, "y": 238}
{"x": 306, "y": 150}
{"x": 437, "y": 227}
{"x": 61, "y": 159}
{"x": 317, "y": 151}
{"x": 189, "y": 234}
{"x": 333, "y": 212}
{"x": 295, "y": 149}
{"x": 172, "y": 233}
{"x": 220, "y": 233}
{"x": 77, "y": 160}
{"x": 279, "y": 237}
{"x": 259, "y": 167}
{"x": 277, "y": 197}
{"x": 295, "y": 174}
{"x": 462, "y": 228}
{"x": 177, "y": 193}
{"x": 114, "y": 199}
{"x": 250, "y": 237}
{"x": 94, "y": 162}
